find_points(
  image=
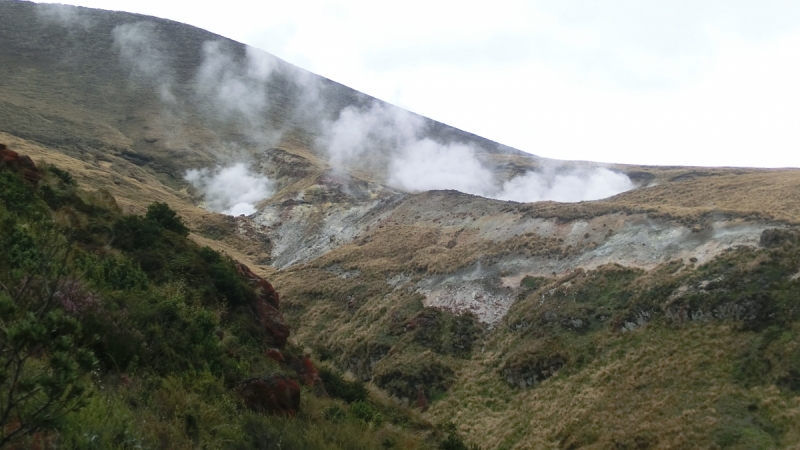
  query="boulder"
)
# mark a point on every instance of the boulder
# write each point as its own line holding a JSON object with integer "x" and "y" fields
{"x": 306, "y": 371}
{"x": 422, "y": 402}
{"x": 21, "y": 164}
{"x": 262, "y": 287}
{"x": 273, "y": 322}
{"x": 275, "y": 355}
{"x": 266, "y": 306}
{"x": 271, "y": 394}
{"x": 309, "y": 375}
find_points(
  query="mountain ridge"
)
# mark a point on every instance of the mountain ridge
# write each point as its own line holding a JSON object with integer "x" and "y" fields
{"x": 664, "y": 316}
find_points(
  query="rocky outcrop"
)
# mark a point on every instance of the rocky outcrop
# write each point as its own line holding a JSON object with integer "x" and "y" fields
{"x": 306, "y": 370}
{"x": 21, "y": 164}
{"x": 271, "y": 394}
{"x": 273, "y": 322}
{"x": 266, "y": 306}
{"x": 262, "y": 287}
{"x": 275, "y": 355}
{"x": 308, "y": 374}
{"x": 276, "y": 393}
{"x": 422, "y": 402}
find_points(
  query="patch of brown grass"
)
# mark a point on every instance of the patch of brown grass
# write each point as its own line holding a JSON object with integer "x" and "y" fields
{"x": 653, "y": 388}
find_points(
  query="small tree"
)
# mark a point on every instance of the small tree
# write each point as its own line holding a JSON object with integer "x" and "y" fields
{"x": 163, "y": 215}
{"x": 43, "y": 370}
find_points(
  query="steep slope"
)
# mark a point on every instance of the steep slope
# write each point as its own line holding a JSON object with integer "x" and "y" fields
{"x": 118, "y": 332}
{"x": 158, "y": 93}
{"x": 661, "y": 317}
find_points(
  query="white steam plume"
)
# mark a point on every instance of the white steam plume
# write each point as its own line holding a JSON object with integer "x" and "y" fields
{"x": 427, "y": 165}
{"x": 64, "y": 15}
{"x": 379, "y": 135}
{"x": 421, "y": 164}
{"x": 572, "y": 185}
{"x": 235, "y": 90}
{"x": 357, "y": 132}
{"x": 232, "y": 190}
{"x": 138, "y": 46}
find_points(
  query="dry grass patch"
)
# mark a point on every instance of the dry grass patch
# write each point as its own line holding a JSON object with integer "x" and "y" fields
{"x": 654, "y": 388}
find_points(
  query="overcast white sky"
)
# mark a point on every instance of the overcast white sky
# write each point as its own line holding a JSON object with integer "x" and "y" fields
{"x": 689, "y": 82}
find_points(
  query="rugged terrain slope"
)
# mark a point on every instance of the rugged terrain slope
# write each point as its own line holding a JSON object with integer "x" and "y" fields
{"x": 662, "y": 317}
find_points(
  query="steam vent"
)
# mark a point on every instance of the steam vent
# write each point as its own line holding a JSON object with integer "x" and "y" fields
{"x": 204, "y": 246}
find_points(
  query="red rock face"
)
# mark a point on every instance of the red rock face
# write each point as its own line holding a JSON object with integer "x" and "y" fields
{"x": 263, "y": 288}
{"x": 21, "y": 164}
{"x": 422, "y": 402}
{"x": 266, "y": 305}
{"x": 274, "y": 322}
{"x": 271, "y": 394}
{"x": 275, "y": 355}
{"x": 306, "y": 370}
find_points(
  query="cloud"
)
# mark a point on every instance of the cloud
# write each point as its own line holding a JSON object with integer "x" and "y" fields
{"x": 231, "y": 190}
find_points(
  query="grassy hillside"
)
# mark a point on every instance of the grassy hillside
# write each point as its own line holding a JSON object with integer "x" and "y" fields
{"x": 158, "y": 337}
{"x": 64, "y": 83}
{"x": 677, "y": 357}
{"x": 119, "y": 332}
{"x": 681, "y": 356}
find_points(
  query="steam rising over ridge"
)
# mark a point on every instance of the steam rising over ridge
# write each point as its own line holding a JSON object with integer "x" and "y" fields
{"x": 422, "y": 164}
{"x": 395, "y": 141}
{"x": 236, "y": 92}
{"x": 138, "y": 47}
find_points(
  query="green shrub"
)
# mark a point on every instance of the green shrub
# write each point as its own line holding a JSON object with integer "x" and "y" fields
{"x": 133, "y": 233}
{"x": 54, "y": 199}
{"x": 114, "y": 273}
{"x": 45, "y": 367}
{"x": 336, "y": 386}
{"x": 168, "y": 219}
{"x": 530, "y": 283}
{"x": 62, "y": 175}
{"x": 17, "y": 193}
{"x": 364, "y": 411}
{"x": 453, "y": 440}
{"x": 224, "y": 277}
{"x": 141, "y": 345}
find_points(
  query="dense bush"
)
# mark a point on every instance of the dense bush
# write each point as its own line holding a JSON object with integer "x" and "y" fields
{"x": 336, "y": 386}
{"x": 224, "y": 277}
{"x": 18, "y": 196}
{"x": 132, "y": 233}
{"x": 44, "y": 365}
{"x": 168, "y": 219}
{"x": 140, "y": 343}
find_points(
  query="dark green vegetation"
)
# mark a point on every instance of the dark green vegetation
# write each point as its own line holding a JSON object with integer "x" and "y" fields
{"x": 118, "y": 332}
{"x": 756, "y": 292}
{"x": 719, "y": 340}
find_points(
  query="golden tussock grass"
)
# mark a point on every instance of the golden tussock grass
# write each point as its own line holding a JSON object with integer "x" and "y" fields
{"x": 649, "y": 389}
